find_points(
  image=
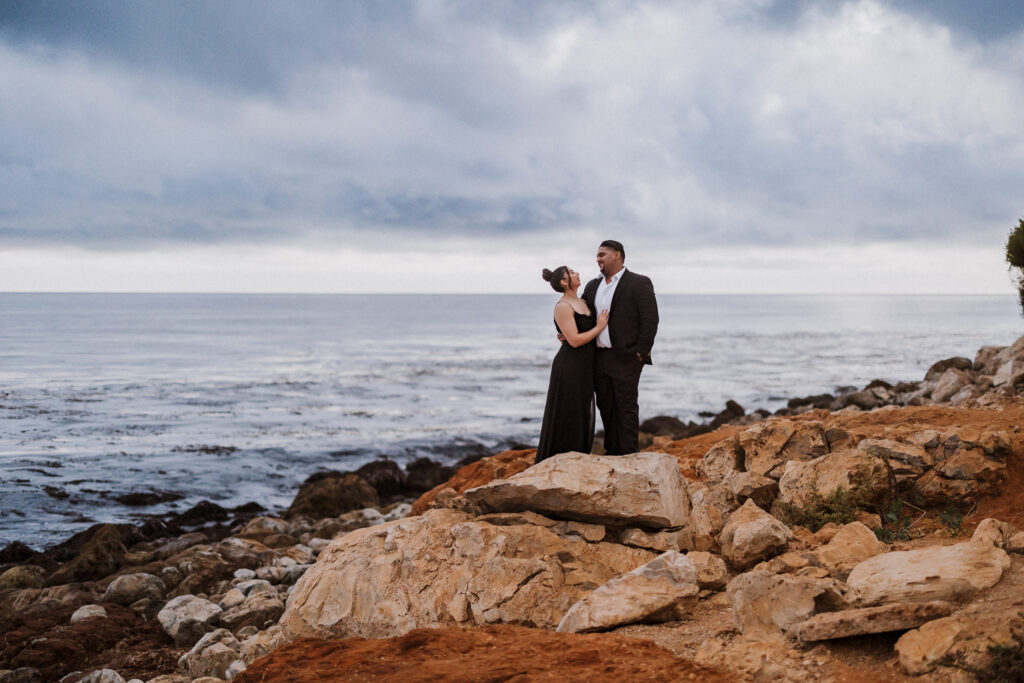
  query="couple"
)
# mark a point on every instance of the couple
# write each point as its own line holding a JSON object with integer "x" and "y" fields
{"x": 606, "y": 341}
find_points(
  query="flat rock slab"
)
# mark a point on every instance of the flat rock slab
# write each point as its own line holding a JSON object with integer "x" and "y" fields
{"x": 951, "y": 572}
{"x": 643, "y": 489}
{"x": 881, "y": 619}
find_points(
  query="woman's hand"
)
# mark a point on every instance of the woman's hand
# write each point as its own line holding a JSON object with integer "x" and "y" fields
{"x": 602, "y": 319}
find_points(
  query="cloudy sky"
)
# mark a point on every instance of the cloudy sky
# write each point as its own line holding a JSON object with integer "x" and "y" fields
{"x": 732, "y": 145}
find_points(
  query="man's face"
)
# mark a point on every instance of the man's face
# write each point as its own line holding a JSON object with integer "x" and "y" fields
{"x": 609, "y": 261}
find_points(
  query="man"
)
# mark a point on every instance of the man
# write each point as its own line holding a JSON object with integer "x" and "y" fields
{"x": 624, "y": 347}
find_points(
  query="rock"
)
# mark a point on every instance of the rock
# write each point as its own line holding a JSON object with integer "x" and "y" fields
{"x": 769, "y": 445}
{"x": 475, "y": 474}
{"x": 866, "y": 399}
{"x": 1000, "y": 534}
{"x": 850, "y": 546}
{"x": 771, "y": 604}
{"x": 217, "y": 654}
{"x": 424, "y": 474}
{"x": 25, "y": 674}
{"x": 750, "y": 535}
{"x": 660, "y": 541}
{"x": 24, "y": 576}
{"x": 124, "y": 590}
{"x": 712, "y": 574}
{"x": 953, "y": 573}
{"x": 1010, "y": 373}
{"x": 262, "y": 644}
{"x": 940, "y": 368}
{"x": 966, "y": 465}
{"x": 231, "y": 598}
{"x": 88, "y": 612}
{"x": 722, "y": 459}
{"x": 102, "y": 676}
{"x": 903, "y": 458}
{"x": 948, "y": 384}
{"x": 99, "y": 557}
{"x": 756, "y": 487}
{"x": 964, "y": 639}
{"x": 264, "y": 526}
{"x": 880, "y": 619}
{"x": 188, "y": 618}
{"x": 711, "y": 507}
{"x": 641, "y": 489}
{"x": 257, "y": 610}
{"x": 664, "y": 425}
{"x": 446, "y": 568}
{"x": 329, "y": 494}
{"x": 385, "y": 476}
{"x": 803, "y": 482}
{"x": 664, "y": 588}
{"x": 733, "y": 411}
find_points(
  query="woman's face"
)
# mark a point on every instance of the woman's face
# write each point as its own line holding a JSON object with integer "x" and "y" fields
{"x": 571, "y": 280}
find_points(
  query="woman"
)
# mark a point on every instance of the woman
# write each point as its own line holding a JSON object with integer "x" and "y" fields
{"x": 569, "y": 413}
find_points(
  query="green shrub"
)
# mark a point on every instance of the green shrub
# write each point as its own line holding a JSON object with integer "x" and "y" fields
{"x": 840, "y": 507}
{"x": 1015, "y": 257}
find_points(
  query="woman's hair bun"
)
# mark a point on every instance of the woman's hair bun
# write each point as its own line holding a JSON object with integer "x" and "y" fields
{"x": 546, "y": 274}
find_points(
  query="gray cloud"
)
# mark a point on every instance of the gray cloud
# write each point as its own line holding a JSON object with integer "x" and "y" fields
{"x": 767, "y": 123}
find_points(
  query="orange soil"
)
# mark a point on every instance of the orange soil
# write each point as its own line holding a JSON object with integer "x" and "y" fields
{"x": 489, "y": 653}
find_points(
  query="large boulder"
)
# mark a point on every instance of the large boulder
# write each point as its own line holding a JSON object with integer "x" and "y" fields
{"x": 643, "y": 489}
{"x": 446, "y": 568}
{"x": 952, "y": 572}
{"x": 803, "y": 482}
{"x": 664, "y": 588}
{"x": 711, "y": 506}
{"x": 329, "y": 494}
{"x": 101, "y": 556}
{"x": 260, "y": 610}
{"x": 967, "y": 463}
{"x": 751, "y": 535}
{"x": 948, "y": 384}
{"x": 768, "y": 446}
{"x": 124, "y": 590}
{"x": 942, "y": 366}
{"x": 771, "y": 604}
{"x": 723, "y": 458}
{"x": 962, "y": 640}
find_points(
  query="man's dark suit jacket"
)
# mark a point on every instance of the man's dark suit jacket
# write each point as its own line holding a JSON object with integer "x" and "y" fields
{"x": 633, "y": 315}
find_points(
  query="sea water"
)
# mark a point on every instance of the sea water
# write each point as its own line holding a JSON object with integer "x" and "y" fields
{"x": 237, "y": 398}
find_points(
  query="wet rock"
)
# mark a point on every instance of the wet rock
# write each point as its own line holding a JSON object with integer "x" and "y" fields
{"x": 88, "y": 612}
{"x": 188, "y": 618}
{"x": 331, "y": 494}
{"x": 385, "y": 476}
{"x": 424, "y": 474}
{"x": 644, "y": 489}
{"x": 771, "y": 604}
{"x": 664, "y": 425}
{"x": 733, "y": 411}
{"x": 124, "y": 590}
{"x": 25, "y": 576}
{"x": 446, "y": 568}
{"x": 952, "y": 573}
{"x": 750, "y": 535}
{"x": 881, "y": 619}
{"x": 15, "y": 551}
{"x": 99, "y": 557}
{"x": 816, "y": 401}
{"x": 664, "y": 588}
{"x": 202, "y": 512}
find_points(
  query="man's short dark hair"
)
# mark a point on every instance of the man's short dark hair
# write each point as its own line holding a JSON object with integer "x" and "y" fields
{"x": 617, "y": 246}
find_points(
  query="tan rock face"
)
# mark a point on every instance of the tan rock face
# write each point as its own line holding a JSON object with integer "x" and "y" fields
{"x": 644, "y": 489}
{"x": 664, "y": 588}
{"x": 963, "y": 639}
{"x": 880, "y": 619}
{"x": 711, "y": 570}
{"x": 447, "y": 568}
{"x": 850, "y": 546}
{"x": 723, "y": 458}
{"x": 953, "y": 572}
{"x": 756, "y": 487}
{"x": 904, "y": 458}
{"x": 771, "y": 604}
{"x": 711, "y": 507}
{"x": 769, "y": 445}
{"x": 751, "y": 535}
{"x": 848, "y": 468}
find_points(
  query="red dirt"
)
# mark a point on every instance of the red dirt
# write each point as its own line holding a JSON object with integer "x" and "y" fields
{"x": 479, "y": 473}
{"x": 490, "y": 653}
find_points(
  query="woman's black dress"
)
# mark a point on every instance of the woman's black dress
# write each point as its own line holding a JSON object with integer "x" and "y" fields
{"x": 569, "y": 413}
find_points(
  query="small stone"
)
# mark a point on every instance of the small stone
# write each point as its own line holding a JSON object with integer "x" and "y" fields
{"x": 245, "y": 574}
{"x": 88, "y": 612}
{"x": 187, "y": 618}
{"x": 103, "y": 676}
{"x": 124, "y": 590}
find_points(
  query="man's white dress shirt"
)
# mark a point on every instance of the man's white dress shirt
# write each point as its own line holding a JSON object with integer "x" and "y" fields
{"x": 603, "y": 300}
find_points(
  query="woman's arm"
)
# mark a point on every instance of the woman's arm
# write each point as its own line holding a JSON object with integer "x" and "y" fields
{"x": 567, "y": 324}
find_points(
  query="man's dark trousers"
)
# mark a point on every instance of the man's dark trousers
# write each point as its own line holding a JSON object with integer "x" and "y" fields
{"x": 616, "y": 384}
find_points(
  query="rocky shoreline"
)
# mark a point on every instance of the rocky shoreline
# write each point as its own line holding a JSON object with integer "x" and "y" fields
{"x": 807, "y": 511}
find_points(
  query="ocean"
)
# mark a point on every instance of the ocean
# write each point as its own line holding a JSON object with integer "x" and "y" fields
{"x": 237, "y": 398}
